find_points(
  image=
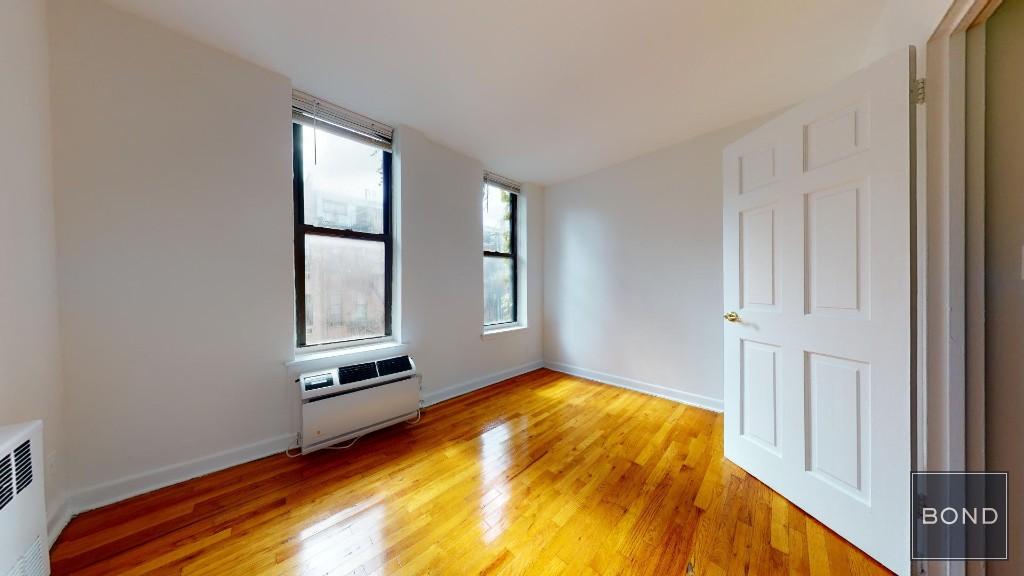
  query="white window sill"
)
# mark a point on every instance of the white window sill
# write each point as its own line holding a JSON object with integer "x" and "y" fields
{"x": 489, "y": 333}
{"x": 349, "y": 355}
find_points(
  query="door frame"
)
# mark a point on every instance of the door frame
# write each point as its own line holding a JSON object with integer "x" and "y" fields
{"x": 953, "y": 388}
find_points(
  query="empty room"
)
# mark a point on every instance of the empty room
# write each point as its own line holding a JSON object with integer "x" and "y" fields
{"x": 460, "y": 287}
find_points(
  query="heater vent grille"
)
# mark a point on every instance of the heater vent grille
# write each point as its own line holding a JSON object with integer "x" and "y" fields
{"x": 394, "y": 365}
{"x": 32, "y": 563}
{"x": 6, "y": 481}
{"x": 23, "y": 541}
{"x": 23, "y": 465}
{"x": 357, "y": 373}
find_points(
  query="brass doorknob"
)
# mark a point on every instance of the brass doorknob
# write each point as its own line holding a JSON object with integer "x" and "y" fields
{"x": 731, "y": 317}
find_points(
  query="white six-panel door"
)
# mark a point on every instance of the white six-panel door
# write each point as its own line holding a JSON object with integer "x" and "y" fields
{"x": 817, "y": 230}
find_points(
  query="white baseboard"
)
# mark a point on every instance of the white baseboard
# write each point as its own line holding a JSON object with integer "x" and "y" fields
{"x": 706, "y": 402}
{"x": 57, "y": 520}
{"x": 431, "y": 398}
{"x": 127, "y": 487}
{"x": 124, "y": 488}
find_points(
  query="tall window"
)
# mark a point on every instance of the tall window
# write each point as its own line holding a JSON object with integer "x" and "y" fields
{"x": 500, "y": 258}
{"x": 343, "y": 241}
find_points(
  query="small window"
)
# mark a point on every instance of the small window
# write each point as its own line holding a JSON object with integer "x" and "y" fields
{"x": 343, "y": 240}
{"x": 500, "y": 212}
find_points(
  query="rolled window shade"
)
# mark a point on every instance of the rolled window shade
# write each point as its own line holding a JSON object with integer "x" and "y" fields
{"x": 309, "y": 110}
{"x": 502, "y": 182}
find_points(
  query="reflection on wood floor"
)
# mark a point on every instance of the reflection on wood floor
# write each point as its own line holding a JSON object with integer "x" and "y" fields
{"x": 541, "y": 474}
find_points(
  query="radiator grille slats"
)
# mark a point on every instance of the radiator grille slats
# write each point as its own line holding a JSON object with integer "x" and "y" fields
{"x": 394, "y": 365}
{"x": 33, "y": 564}
{"x": 23, "y": 465}
{"x": 6, "y": 481}
{"x": 357, "y": 373}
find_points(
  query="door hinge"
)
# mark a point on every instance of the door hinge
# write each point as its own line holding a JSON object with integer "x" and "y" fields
{"x": 917, "y": 91}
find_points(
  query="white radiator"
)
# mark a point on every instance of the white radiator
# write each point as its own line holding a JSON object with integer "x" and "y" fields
{"x": 24, "y": 549}
{"x": 348, "y": 401}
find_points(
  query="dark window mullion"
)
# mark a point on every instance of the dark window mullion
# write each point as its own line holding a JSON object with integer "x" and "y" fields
{"x": 300, "y": 237}
{"x": 309, "y": 234}
{"x": 340, "y": 233}
{"x": 513, "y": 240}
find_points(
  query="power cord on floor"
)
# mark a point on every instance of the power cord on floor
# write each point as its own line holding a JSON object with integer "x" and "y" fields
{"x": 419, "y": 416}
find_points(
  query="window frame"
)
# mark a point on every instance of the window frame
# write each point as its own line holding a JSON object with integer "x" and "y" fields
{"x": 302, "y": 229}
{"x": 513, "y": 255}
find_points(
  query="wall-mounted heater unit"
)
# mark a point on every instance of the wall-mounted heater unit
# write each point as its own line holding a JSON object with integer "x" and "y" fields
{"x": 342, "y": 403}
{"x": 24, "y": 549}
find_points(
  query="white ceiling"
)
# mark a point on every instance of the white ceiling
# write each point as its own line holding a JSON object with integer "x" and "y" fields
{"x": 542, "y": 90}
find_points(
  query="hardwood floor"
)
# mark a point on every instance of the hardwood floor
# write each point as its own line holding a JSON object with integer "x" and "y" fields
{"x": 540, "y": 474}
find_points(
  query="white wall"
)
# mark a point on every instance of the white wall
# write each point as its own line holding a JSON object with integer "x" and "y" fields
{"x": 633, "y": 273}
{"x": 902, "y": 23}
{"x": 174, "y": 213}
{"x": 442, "y": 270}
{"x": 30, "y": 385}
{"x": 173, "y": 184}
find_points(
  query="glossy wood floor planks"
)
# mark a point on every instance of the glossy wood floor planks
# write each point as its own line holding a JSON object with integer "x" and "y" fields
{"x": 541, "y": 474}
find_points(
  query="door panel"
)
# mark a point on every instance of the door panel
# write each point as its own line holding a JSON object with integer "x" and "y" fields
{"x": 757, "y": 168}
{"x": 839, "y": 426}
{"x": 760, "y": 397}
{"x": 758, "y": 258}
{"x": 817, "y": 264}
{"x": 837, "y": 235}
{"x": 836, "y": 135}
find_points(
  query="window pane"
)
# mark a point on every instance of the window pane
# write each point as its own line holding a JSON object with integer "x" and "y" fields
{"x": 497, "y": 219}
{"x": 344, "y": 289}
{"x": 498, "y": 297}
{"x": 343, "y": 182}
